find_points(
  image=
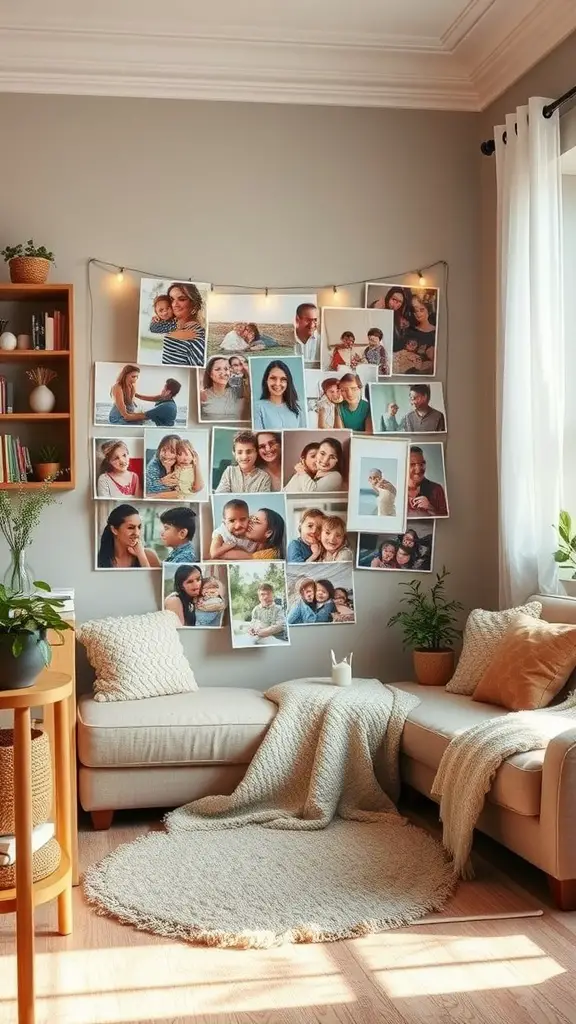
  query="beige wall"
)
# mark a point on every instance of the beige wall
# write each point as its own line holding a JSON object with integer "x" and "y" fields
{"x": 253, "y": 194}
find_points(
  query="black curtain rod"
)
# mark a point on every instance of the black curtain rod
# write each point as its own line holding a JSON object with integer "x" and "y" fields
{"x": 489, "y": 146}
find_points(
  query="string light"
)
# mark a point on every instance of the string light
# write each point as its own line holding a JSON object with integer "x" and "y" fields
{"x": 421, "y": 279}
{"x": 120, "y": 275}
{"x": 335, "y": 289}
{"x": 265, "y": 293}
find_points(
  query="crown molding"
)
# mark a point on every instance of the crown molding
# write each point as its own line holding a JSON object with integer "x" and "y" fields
{"x": 488, "y": 46}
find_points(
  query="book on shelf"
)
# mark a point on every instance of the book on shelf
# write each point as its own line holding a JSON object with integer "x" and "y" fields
{"x": 15, "y": 462}
{"x": 6, "y": 396}
{"x": 41, "y": 835}
{"x": 49, "y": 331}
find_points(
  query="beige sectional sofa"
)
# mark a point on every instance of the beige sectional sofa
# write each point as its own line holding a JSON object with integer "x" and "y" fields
{"x": 164, "y": 751}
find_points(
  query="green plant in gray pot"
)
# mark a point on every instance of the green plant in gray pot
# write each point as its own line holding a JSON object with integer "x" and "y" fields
{"x": 24, "y": 624}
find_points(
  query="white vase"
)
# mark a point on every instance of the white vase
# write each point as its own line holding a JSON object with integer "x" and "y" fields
{"x": 42, "y": 399}
{"x": 7, "y": 341}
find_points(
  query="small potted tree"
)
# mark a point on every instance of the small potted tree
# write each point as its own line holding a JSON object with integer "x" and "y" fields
{"x": 28, "y": 263}
{"x": 24, "y": 623}
{"x": 429, "y": 625}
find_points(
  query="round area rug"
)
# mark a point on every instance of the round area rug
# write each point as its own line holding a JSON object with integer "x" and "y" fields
{"x": 257, "y": 887}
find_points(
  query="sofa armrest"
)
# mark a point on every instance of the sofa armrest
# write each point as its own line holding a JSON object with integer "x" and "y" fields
{"x": 558, "y": 805}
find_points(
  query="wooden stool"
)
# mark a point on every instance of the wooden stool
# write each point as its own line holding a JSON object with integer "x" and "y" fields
{"x": 50, "y": 688}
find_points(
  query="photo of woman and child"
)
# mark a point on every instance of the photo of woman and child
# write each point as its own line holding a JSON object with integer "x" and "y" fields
{"x": 278, "y": 393}
{"x": 224, "y": 390}
{"x": 176, "y": 465}
{"x": 320, "y": 466}
{"x": 118, "y": 467}
{"x": 255, "y": 322}
{"x": 142, "y": 538}
{"x": 412, "y": 550}
{"x": 325, "y": 397}
{"x": 257, "y": 596}
{"x": 244, "y": 462}
{"x": 250, "y": 527}
{"x": 352, "y": 336}
{"x": 322, "y": 596}
{"x": 172, "y": 322}
{"x": 415, "y": 312}
{"x": 320, "y": 536}
{"x": 133, "y": 396}
{"x": 197, "y": 594}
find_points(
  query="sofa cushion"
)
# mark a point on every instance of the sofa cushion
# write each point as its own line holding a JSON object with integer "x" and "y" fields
{"x": 440, "y": 716}
{"x": 482, "y": 634}
{"x": 216, "y": 725}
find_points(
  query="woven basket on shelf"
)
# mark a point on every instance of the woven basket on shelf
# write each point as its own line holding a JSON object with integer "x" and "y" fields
{"x": 41, "y": 773}
{"x": 29, "y": 270}
{"x": 44, "y": 862}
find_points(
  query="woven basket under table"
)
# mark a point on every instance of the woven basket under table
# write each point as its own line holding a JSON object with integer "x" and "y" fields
{"x": 41, "y": 773}
{"x": 44, "y": 862}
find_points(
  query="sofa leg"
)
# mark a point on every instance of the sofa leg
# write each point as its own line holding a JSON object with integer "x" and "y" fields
{"x": 563, "y": 892}
{"x": 101, "y": 820}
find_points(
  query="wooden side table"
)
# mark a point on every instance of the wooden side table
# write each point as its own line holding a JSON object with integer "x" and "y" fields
{"x": 51, "y": 688}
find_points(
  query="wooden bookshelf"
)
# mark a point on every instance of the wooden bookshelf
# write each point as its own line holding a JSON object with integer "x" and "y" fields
{"x": 18, "y": 303}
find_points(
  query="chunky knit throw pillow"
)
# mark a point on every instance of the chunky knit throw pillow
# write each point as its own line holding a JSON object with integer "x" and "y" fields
{"x": 483, "y": 632}
{"x": 136, "y": 656}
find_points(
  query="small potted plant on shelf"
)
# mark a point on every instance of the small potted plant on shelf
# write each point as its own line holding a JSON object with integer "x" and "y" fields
{"x": 47, "y": 463}
{"x": 24, "y": 623}
{"x": 429, "y": 625}
{"x": 28, "y": 263}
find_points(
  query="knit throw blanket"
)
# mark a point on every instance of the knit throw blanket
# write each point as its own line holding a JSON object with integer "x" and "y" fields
{"x": 471, "y": 761}
{"x": 329, "y": 752}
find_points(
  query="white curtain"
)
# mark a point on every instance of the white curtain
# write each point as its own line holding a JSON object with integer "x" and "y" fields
{"x": 530, "y": 347}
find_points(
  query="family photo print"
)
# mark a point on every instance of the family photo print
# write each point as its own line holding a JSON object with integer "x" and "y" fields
{"x": 245, "y": 462}
{"x": 409, "y": 551}
{"x": 351, "y": 337}
{"x": 415, "y": 313}
{"x": 176, "y": 465}
{"x": 248, "y": 527}
{"x": 172, "y": 322}
{"x": 144, "y": 536}
{"x": 317, "y": 530}
{"x": 224, "y": 390}
{"x": 321, "y": 595}
{"x": 255, "y": 322}
{"x": 129, "y": 395}
{"x": 427, "y": 496}
{"x": 196, "y": 593}
{"x": 315, "y": 461}
{"x": 258, "y": 603}
{"x": 340, "y": 398}
{"x": 118, "y": 464}
{"x": 378, "y": 485}
{"x": 408, "y": 408}
{"x": 278, "y": 393}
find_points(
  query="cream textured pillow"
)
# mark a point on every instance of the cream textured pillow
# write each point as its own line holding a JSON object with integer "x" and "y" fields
{"x": 136, "y": 656}
{"x": 483, "y": 632}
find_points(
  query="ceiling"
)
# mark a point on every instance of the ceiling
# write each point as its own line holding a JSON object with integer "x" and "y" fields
{"x": 434, "y": 54}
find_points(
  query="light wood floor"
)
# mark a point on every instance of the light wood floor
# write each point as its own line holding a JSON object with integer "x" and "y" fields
{"x": 515, "y": 971}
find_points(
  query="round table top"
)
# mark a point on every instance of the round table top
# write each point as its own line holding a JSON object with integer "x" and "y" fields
{"x": 49, "y": 688}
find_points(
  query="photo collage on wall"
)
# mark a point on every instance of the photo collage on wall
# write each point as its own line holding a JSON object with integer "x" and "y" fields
{"x": 285, "y": 449}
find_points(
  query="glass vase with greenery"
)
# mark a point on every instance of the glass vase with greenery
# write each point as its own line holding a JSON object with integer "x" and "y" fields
{"x": 20, "y": 514}
{"x": 429, "y": 621}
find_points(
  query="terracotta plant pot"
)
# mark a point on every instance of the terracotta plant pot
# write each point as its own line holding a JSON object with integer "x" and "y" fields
{"x": 29, "y": 270}
{"x": 46, "y": 470}
{"x": 433, "y": 668}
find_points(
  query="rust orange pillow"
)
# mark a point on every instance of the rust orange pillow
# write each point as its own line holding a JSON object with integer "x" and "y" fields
{"x": 530, "y": 665}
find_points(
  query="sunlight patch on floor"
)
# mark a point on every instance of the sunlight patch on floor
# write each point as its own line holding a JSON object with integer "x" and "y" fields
{"x": 160, "y": 982}
{"x": 444, "y": 964}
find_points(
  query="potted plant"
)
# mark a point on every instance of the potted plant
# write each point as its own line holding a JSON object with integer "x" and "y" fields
{"x": 429, "y": 629}
{"x": 28, "y": 263}
{"x": 47, "y": 463}
{"x": 566, "y": 553}
{"x": 24, "y": 623}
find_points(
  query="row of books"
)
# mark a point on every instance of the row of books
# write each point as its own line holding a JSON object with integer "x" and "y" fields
{"x": 6, "y": 395}
{"x": 49, "y": 331}
{"x": 15, "y": 462}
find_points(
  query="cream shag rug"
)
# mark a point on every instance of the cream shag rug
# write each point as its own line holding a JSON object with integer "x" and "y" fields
{"x": 308, "y": 848}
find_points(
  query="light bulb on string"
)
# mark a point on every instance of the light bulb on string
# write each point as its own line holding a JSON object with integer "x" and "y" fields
{"x": 120, "y": 275}
{"x": 265, "y": 293}
{"x": 421, "y": 279}
{"x": 335, "y": 289}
